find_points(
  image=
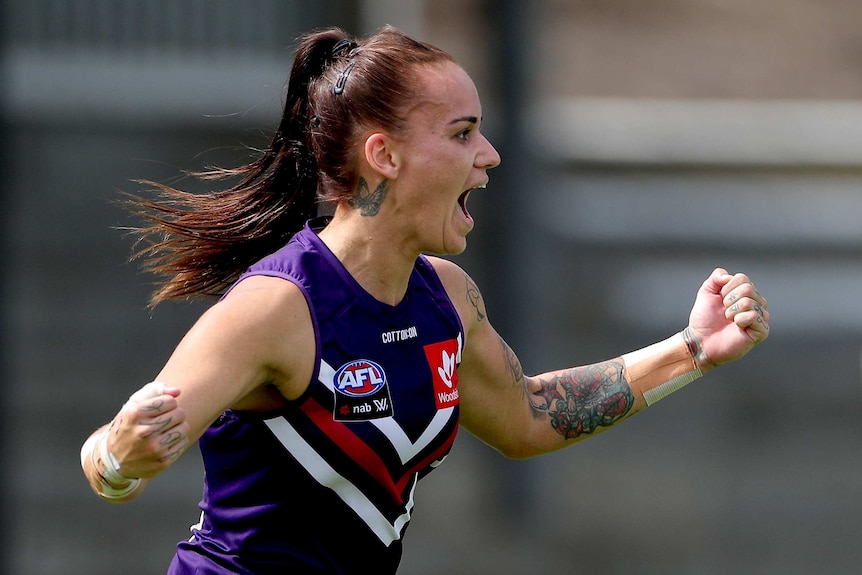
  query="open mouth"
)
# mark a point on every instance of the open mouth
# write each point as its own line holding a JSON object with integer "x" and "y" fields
{"x": 462, "y": 200}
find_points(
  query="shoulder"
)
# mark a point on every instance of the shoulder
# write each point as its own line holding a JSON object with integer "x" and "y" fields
{"x": 262, "y": 300}
{"x": 449, "y": 272}
{"x": 267, "y": 306}
{"x": 462, "y": 290}
{"x": 454, "y": 279}
{"x": 269, "y": 318}
{"x": 255, "y": 341}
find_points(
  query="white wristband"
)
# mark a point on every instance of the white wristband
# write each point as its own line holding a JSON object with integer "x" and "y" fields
{"x": 112, "y": 466}
{"x": 88, "y": 448}
{"x": 111, "y": 473}
{"x": 109, "y": 492}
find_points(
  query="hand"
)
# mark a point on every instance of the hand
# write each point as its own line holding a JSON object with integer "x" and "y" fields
{"x": 729, "y": 316}
{"x": 150, "y": 431}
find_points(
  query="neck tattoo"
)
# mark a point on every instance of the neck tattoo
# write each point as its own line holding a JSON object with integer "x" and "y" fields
{"x": 369, "y": 201}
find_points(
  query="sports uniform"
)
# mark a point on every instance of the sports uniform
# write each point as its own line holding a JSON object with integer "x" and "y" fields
{"x": 326, "y": 484}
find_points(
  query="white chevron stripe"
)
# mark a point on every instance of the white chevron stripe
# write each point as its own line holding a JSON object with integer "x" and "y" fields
{"x": 406, "y": 449}
{"x": 390, "y": 428}
{"x": 325, "y": 475}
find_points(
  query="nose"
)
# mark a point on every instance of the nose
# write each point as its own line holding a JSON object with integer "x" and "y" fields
{"x": 488, "y": 157}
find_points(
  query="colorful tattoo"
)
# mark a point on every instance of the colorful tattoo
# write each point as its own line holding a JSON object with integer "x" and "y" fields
{"x": 582, "y": 399}
{"x": 367, "y": 201}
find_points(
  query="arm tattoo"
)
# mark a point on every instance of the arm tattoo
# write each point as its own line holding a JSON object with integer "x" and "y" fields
{"x": 475, "y": 298}
{"x": 367, "y": 201}
{"x": 582, "y": 399}
{"x": 515, "y": 369}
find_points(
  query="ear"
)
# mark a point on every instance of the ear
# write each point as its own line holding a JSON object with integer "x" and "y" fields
{"x": 382, "y": 155}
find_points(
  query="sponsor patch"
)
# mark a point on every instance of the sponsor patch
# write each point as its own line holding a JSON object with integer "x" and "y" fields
{"x": 361, "y": 392}
{"x": 397, "y": 335}
{"x": 443, "y": 360}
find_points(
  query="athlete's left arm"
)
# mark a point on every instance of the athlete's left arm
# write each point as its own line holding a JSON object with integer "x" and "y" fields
{"x": 523, "y": 416}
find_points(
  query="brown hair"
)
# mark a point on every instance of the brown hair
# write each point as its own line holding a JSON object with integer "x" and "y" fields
{"x": 338, "y": 86}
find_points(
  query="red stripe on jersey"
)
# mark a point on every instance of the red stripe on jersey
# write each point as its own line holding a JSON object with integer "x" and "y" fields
{"x": 354, "y": 447}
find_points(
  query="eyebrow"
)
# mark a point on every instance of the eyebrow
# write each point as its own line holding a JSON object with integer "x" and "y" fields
{"x": 471, "y": 119}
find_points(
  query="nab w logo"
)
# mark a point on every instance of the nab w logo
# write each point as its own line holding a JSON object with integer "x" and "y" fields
{"x": 361, "y": 392}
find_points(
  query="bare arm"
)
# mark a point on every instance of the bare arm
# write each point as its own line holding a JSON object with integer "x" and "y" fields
{"x": 250, "y": 351}
{"x": 523, "y": 416}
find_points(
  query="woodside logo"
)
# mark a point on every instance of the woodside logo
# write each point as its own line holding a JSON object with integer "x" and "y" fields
{"x": 442, "y": 359}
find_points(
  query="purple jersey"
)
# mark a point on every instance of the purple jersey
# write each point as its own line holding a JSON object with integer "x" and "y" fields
{"x": 326, "y": 484}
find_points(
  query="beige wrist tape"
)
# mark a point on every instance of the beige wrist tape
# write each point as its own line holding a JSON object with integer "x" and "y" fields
{"x": 658, "y": 370}
{"x": 110, "y": 473}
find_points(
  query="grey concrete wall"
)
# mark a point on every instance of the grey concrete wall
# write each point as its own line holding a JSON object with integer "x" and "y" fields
{"x": 752, "y": 469}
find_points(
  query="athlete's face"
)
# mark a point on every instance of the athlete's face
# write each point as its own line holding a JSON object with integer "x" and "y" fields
{"x": 445, "y": 158}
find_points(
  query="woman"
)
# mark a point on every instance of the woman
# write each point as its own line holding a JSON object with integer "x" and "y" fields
{"x": 335, "y": 370}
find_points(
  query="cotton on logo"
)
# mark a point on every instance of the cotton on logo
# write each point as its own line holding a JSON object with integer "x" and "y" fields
{"x": 443, "y": 360}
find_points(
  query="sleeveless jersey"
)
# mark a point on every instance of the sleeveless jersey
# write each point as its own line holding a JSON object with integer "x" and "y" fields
{"x": 326, "y": 484}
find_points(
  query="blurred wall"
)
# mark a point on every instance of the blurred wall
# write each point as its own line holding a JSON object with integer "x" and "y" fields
{"x": 650, "y": 142}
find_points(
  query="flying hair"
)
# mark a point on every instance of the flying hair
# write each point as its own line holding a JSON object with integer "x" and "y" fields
{"x": 200, "y": 243}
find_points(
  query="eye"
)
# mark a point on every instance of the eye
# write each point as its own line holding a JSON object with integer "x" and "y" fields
{"x": 464, "y": 134}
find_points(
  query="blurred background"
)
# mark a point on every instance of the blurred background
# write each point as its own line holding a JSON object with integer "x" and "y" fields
{"x": 643, "y": 144}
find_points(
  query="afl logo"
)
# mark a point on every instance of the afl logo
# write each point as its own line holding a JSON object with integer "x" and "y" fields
{"x": 359, "y": 378}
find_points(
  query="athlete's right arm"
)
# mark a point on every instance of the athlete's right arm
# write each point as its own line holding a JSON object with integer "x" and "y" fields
{"x": 250, "y": 351}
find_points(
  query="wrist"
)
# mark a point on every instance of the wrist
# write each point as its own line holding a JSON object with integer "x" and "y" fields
{"x": 111, "y": 484}
{"x": 695, "y": 348}
{"x": 662, "y": 368}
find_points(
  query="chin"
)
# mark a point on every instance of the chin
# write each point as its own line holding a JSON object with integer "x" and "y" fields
{"x": 455, "y": 248}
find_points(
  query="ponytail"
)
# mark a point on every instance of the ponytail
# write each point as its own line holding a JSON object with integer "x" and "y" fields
{"x": 337, "y": 88}
{"x": 201, "y": 243}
